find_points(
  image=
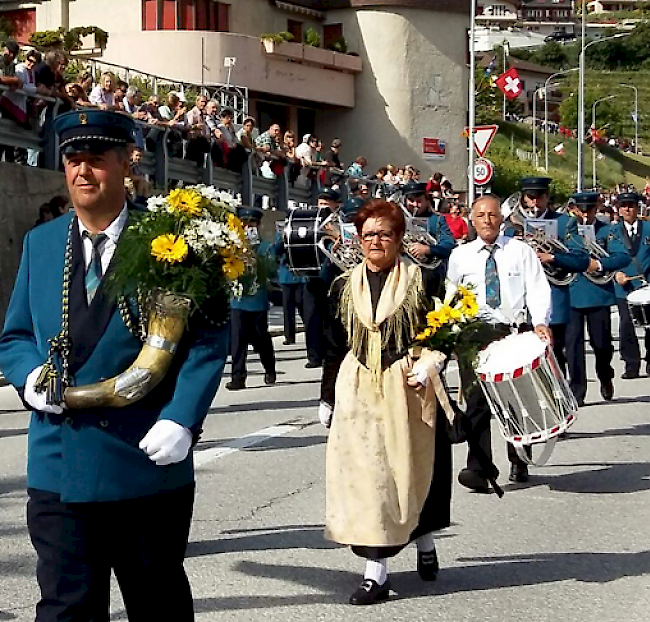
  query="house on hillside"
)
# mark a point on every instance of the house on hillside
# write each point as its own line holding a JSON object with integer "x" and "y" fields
{"x": 414, "y": 47}
{"x": 548, "y": 16}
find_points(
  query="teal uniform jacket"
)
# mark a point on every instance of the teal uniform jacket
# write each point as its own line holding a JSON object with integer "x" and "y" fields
{"x": 439, "y": 229}
{"x": 639, "y": 255}
{"x": 93, "y": 455}
{"x": 587, "y": 295}
{"x": 575, "y": 260}
{"x": 285, "y": 276}
{"x": 259, "y": 301}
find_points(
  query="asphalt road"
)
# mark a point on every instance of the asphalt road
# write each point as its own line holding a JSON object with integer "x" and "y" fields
{"x": 572, "y": 545}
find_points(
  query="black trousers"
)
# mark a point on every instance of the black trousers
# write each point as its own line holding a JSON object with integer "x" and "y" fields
{"x": 559, "y": 345}
{"x": 599, "y": 328}
{"x": 292, "y": 300}
{"x": 628, "y": 342}
{"x": 314, "y": 304}
{"x": 250, "y": 327}
{"x": 142, "y": 541}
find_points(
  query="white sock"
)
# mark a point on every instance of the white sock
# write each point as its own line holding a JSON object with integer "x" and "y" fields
{"x": 377, "y": 570}
{"x": 425, "y": 543}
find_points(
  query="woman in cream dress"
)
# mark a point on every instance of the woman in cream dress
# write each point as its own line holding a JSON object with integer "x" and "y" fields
{"x": 388, "y": 454}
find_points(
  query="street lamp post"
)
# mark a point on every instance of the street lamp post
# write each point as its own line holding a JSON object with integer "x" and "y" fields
{"x": 472, "y": 102}
{"x": 593, "y": 128}
{"x": 636, "y": 114}
{"x": 581, "y": 95}
{"x": 546, "y": 85}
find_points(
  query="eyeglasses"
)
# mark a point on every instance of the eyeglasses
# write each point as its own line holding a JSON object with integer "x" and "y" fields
{"x": 382, "y": 235}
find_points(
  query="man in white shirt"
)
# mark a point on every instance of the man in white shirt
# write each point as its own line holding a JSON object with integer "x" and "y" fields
{"x": 512, "y": 292}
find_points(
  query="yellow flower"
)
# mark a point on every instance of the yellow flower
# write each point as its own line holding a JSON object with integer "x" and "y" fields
{"x": 425, "y": 334}
{"x": 433, "y": 320}
{"x": 445, "y": 314}
{"x": 233, "y": 266}
{"x": 468, "y": 305}
{"x": 170, "y": 248}
{"x": 234, "y": 224}
{"x": 186, "y": 202}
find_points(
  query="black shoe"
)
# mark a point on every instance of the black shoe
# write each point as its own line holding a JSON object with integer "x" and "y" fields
{"x": 473, "y": 480}
{"x": 607, "y": 390}
{"x": 581, "y": 402}
{"x": 288, "y": 342}
{"x": 313, "y": 364}
{"x": 270, "y": 378}
{"x": 428, "y": 565}
{"x": 630, "y": 375}
{"x": 370, "y": 592}
{"x": 236, "y": 385}
{"x": 518, "y": 473}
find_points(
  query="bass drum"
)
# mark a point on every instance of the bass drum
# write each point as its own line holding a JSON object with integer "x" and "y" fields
{"x": 302, "y": 233}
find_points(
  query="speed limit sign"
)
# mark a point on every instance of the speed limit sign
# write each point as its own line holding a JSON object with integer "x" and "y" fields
{"x": 483, "y": 171}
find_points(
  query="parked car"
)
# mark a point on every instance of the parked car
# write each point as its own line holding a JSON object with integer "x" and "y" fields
{"x": 560, "y": 35}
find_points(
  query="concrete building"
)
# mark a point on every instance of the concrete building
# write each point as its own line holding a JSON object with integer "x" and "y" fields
{"x": 405, "y": 83}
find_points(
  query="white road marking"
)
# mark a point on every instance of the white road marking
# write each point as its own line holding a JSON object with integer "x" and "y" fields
{"x": 201, "y": 458}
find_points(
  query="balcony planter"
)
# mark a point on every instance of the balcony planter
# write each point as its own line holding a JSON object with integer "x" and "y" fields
{"x": 346, "y": 62}
{"x": 318, "y": 56}
{"x": 285, "y": 49}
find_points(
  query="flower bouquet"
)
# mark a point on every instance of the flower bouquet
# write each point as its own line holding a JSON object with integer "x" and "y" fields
{"x": 452, "y": 326}
{"x": 187, "y": 254}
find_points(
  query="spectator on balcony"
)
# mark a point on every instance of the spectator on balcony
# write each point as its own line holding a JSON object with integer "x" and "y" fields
{"x": 8, "y": 78}
{"x": 175, "y": 108}
{"x": 103, "y": 95}
{"x": 85, "y": 82}
{"x": 218, "y": 146}
{"x": 355, "y": 170}
{"x": 306, "y": 151}
{"x": 268, "y": 143}
{"x": 456, "y": 223}
{"x": 77, "y": 95}
{"x": 245, "y": 134}
{"x": 332, "y": 158}
{"x": 235, "y": 154}
{"x": 132, "y": 104}
{"x": 199, "y": 133}
{"x": 21, "y": 109}
{"x": 289, "y": 148}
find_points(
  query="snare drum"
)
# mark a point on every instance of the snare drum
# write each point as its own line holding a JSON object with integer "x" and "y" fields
{"x": 302, "y": 232}
{"x": 527, "y": 393}
{"x": 639, "y": 303}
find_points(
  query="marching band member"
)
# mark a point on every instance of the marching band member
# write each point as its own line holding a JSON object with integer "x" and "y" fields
{"x": 249, "y": 316}
{"x": 418, "y": 204}
{"x": 634, "y": 234}
{"x": 591, "y": 302}
{"x": 109, "y": 488}
{"x": 511, "y": 288}
{"x": 388, "y": 476}
{"x": 535, "y": 199}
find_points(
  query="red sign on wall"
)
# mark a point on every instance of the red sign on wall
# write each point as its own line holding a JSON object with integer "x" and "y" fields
{"x": 434, "y": 148}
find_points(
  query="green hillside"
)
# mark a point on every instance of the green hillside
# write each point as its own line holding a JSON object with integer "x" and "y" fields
{"x": 612, "y": 168}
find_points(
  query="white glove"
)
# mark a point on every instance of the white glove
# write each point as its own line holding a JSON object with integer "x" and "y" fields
{"x": 434, "y": 361}
{"x": 167, "y": 442}
{"x": 325, "y": 412}
{"x": 37, "y": 400}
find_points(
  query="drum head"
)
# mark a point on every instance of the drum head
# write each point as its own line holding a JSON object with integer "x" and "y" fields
{"x": 639, "y": 296}
{"x": 301, "y": 236}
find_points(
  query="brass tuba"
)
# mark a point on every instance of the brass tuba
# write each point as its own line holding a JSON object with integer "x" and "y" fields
{"x": 515, "y": 218}
{"x": 167, "y": 318}
{"x": 597, "y": 252}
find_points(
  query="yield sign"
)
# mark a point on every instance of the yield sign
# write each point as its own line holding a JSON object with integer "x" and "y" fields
{"x": 483, "y": 135}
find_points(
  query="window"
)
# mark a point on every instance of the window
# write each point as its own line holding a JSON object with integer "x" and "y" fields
{"x": 332, "y": 34}
{"x": 295, "y": 28}
{"x": 185, "y": 15}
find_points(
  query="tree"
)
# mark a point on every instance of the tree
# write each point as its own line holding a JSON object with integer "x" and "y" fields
{"x": 552, "y": 54}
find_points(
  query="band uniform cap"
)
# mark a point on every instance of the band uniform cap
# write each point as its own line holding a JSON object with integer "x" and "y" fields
{"x": 250, "y": 213}
{"x": 414, "y": 189}
{"x": 585, "y": 200}
{"x": 628, "y": 197}
{"x": 331, "y": 194}
{"x": 93, "y": 130}
{"x": 536, "y": 183}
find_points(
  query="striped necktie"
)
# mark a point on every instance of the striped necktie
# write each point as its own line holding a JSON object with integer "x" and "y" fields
{"x": 492, "y": 283}
{"x": 94, "y": 271}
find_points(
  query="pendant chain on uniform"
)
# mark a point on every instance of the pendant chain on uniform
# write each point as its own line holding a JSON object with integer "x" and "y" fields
{"x": 49, "y": 380}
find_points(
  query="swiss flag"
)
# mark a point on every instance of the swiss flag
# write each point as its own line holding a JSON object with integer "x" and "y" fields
{"x": 510, "y": 84}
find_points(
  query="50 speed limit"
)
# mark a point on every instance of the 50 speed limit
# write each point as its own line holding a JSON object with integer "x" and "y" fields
{"x": 483, "y": 171}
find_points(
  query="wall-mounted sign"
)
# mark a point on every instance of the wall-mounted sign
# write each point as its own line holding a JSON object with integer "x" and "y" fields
{"x": 434, "y": 149}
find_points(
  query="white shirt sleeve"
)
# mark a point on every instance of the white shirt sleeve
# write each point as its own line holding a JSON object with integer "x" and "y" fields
{"x": 454, "y": 273}
{"x": 538, "y": 291}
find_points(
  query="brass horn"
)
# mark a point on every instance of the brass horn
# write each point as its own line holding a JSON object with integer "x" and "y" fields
{"x": 167, "y": 318}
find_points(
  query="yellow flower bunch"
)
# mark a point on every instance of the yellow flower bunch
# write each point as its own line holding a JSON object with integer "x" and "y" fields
{"x": 234, "y": 224}
{"x": 169, "y": 248}
{"x": 233, "y": 266}
{"x": 188, "y": 202}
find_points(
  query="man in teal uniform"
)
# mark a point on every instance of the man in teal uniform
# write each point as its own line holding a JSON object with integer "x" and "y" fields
{"x": 250, "y": 314}
{"x": 418, "y": 204}
{"x": 109, "y": 488}
{"x": 591, "y": 303}
{"x": 634, "y": 234}
{"x": 535, "y": 200}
